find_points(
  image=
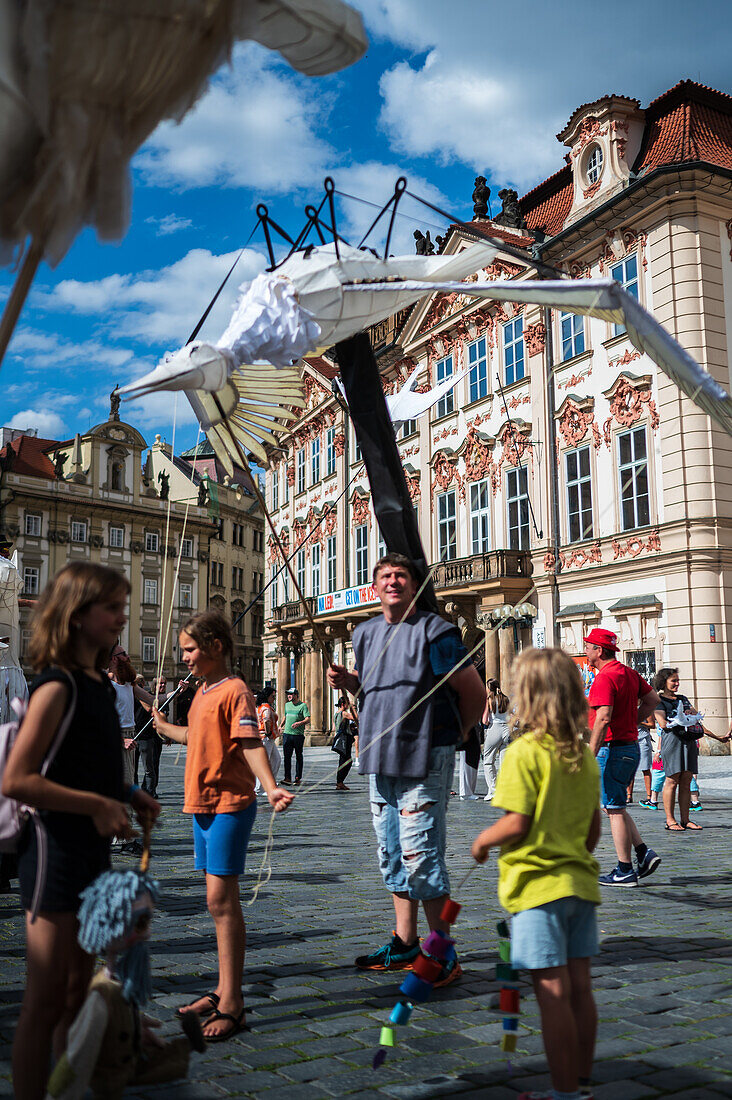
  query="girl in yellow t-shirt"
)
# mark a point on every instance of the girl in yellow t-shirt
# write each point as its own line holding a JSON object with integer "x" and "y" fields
{"x": 225, "y": 755}
{"x": 547, "y": 877}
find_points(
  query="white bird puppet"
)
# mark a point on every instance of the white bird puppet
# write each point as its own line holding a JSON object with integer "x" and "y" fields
{"x": 281, "y": 316}
{"x": 603, "y": 298}
{"x": 686, "y": 720}
{"x": 409, "y": 405}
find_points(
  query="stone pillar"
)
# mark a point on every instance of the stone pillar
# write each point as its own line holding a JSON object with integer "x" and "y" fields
{"x": 507, "y": 651}
{"x": 492, "y": 667}
{"x": 316, "y": 695}
{"x": 283, "y": 677}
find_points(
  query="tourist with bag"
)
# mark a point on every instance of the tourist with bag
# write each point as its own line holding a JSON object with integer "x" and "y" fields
{"x": 679, "y": 747}
{"x": 342, "y": 743}
{"x": 78, "y": 796}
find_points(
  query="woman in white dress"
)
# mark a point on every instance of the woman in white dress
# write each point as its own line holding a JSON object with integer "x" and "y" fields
{"x": 496, "y": 734}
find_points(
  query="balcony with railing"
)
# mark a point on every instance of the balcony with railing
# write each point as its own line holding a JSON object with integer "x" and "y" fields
{"x": 292, "y": 612}
{"x": 495, "y": 565}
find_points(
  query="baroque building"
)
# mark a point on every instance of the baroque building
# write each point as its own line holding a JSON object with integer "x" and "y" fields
{"x": 564, "y": 475}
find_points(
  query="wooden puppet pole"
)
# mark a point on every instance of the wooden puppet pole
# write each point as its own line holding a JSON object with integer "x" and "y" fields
{"x": 260, "y": 500}
{"x": 19, "y": 293}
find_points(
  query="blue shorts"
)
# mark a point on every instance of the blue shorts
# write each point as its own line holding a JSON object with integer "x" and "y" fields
{"x": 412, "y": 844}
{"x": 618, "y": 764}
{"x": 551, "y": 934}
{"x": 220, "y": 841}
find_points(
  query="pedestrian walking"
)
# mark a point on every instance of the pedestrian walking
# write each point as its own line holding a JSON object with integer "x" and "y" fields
{"x": 496, "y": 734}
{"x": 127, "y": 691}
{"x": 296, "y": 719}
{"x": 343, "y": 740}
{"x": 408, "y": 730}
{"x": 619, "y": 699}
{"x": 679, "y": 748}
{"x": 225, "y": 754}
{"x": 269, "y": 729}
{"x": 547, "y": 877}
{"x": 645, "y": 765}
{"x": 79, "y": 798}
{"x": 468, "y": 755}
{"x": 149, "y": 744}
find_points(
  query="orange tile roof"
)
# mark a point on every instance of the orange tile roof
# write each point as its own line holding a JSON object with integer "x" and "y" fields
{"x": 490, "y": 229}
{"x": 549, "y": 203}
{"x": 321, "y": 366}
{"x": 30, "y": 456}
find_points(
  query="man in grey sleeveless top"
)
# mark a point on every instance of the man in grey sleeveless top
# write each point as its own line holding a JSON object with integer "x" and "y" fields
{"x": 408, "y": 733}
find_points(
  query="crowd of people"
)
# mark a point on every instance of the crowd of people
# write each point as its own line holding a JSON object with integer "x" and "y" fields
{"x": 554, "y": 756}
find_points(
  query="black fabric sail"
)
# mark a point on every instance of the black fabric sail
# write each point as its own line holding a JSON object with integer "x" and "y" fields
{"x": 375, "y": 434}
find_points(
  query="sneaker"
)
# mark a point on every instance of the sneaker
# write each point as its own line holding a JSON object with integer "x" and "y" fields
{"x": 647, "y": 804}
{"x": 650, "y": 862}
{"x": 286, "y": 782}
{"x": 297, "y": 782}
{"x": 696, "y": 807}
{"x": 468, "y": 798}
{"x": 392, "y": 956}
{"x": 616, "y": 877}
{"x": 488, "y": 798}
{"x": 451, "y": 971}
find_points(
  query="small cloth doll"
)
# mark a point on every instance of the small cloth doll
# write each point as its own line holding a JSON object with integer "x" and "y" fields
{"x": 109, "y": 1045}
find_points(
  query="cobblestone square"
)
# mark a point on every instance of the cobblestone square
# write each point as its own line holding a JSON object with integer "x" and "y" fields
{"x": 662, "y": 982}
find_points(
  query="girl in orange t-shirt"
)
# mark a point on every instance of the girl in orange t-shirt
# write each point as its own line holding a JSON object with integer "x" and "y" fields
{"x": 225, "y": 755}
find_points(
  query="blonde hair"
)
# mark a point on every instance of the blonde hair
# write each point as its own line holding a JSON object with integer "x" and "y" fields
{"x": 549, "y": 699}
{"x": 74, "y": 588}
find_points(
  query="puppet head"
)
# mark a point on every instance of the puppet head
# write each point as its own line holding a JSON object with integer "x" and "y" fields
{"x": 114, "y": 920}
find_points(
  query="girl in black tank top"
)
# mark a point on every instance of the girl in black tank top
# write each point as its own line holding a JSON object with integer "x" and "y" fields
{"x": 77, "y": 621}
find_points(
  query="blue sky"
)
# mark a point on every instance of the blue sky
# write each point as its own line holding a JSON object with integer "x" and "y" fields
{"x": 445, "y": 92}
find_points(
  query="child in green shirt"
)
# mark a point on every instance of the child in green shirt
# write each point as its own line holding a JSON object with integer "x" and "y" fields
{"x": 547, "y": 876}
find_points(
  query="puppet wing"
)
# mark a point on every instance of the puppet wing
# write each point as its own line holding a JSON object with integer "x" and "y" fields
{"x": 606, "y": 299}
{"x": 73, "y": 1071}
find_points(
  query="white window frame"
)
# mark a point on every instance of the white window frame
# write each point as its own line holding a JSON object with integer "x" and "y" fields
{"x": 185, "y": 594}
{"x": 361, "y": 554}
{"x": 518, "y": 529}
{"x": 330, "y": 452}
{"x": 480, "y": 516}
{"x": 150, "y": 589}
{"x": 625, "y": 272}
{"x": 274, "y": 593}
{"x": 300, "y": 571}
{"x": 31, "y": 580}
{"x": 409, "y": 427}
{"x": 446, "y": 510}
{"x": 478, "y": 387}
{"x": 445, "y": 369}
{"x": 513, "y": 342}
{"x": 79, "y": 530}
{"x": 315, "y": 556}
{"x": 356, "y": 456}
{"x": 315, "y": 460}
{"x": 595, "y": 164}
{"x": 116, "y": 538}
{"x": 33, "y": 524}
{"x": 578, "y": 485}
{"x": 152, "y": 542}
{"x": 186, "y": 548}
{"x": 275, "y": 489}
{"x": 628, "y": 478}
{"x": 331, "y": 558}
{"x": 572, "y": 333}
{"x": 300, "y": 471}
{"x": 149, "y": 649}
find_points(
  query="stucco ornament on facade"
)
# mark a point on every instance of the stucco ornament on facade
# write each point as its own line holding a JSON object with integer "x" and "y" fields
{"x": 627, "y": 406}
{"x": 360, "y": 509}
{"x": 589, "y": 130}
{"x": 479, "y": 460}
{"x": 619, "y": 244}
{"x": 575, "y": 422}
{"x": 414, "y": 486}
{"x": 445, "y": 471}
{"x": 535, "y": 338}
{"x": 339, "y": 444}
{"x": 636, "y": 545}
{"x": 573, "y": 559}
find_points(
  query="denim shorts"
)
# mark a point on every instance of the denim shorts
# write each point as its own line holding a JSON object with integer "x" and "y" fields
{"x": 551, "y": 934}
{"x": 618, "y": 764}
{"x": 409, "y": 822}
{"x": 220, "y": 841}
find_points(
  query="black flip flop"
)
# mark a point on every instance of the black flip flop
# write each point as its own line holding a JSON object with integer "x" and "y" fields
{"x": 212, "y": 997}
{"x": 237, "y": 1025}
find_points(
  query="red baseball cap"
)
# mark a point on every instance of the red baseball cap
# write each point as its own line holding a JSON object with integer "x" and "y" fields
{"x": 604, "y": 638}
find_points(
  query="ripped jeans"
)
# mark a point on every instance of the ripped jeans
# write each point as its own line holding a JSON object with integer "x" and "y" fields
{"x": 409, "y": 822}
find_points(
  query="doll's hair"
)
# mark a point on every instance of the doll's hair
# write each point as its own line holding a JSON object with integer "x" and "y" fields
{"x": 74, "y": 589}
{"x": 105, "y": 914}
{"x": 207, "y": 627}
{"x": 549, "y": 699}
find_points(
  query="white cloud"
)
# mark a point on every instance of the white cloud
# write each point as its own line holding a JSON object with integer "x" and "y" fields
{"x": 500, "y": 80}
{"x": 159, "y": 308}
{"x": 171, "y": 223}
{"x": 374, "y": 182}
{"x": 255, "y": 127}
{"x": 40, "y": 351}
{"x": 49, "y": 425}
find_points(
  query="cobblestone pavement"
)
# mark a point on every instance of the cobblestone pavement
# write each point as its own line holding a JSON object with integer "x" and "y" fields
{"x": 662, "y": 982}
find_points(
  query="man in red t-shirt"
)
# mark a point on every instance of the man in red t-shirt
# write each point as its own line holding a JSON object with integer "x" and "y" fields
{"x": 619, "y": 699}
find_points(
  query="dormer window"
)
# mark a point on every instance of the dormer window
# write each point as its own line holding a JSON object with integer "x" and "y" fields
{"x": 593, "y": 167}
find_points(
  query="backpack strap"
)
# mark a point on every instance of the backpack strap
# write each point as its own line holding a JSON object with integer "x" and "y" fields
{"x": 41, "y": 838}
